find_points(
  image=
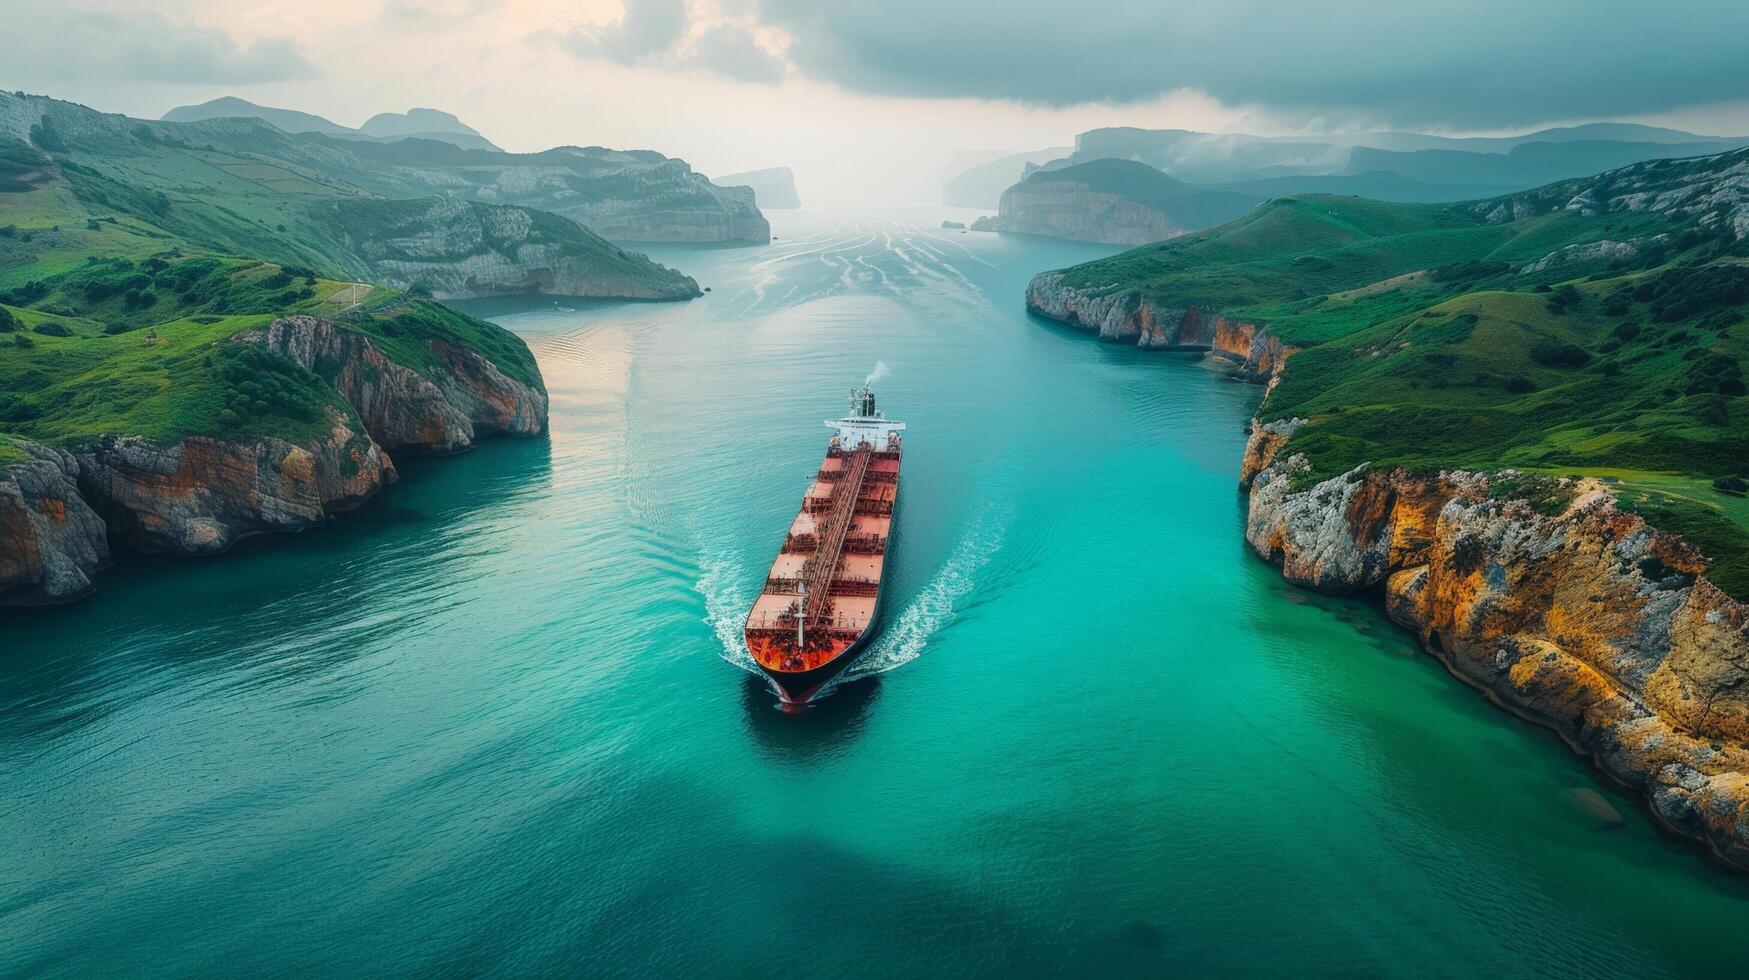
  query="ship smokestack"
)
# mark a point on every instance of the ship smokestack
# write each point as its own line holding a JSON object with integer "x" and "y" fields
{"x": 868, "y": 408}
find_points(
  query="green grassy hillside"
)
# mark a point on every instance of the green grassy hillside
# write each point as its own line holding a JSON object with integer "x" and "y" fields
{"x": 75, "y": 183}
{"x": 143, "y": 348}
{"x": 1592, "y": 327}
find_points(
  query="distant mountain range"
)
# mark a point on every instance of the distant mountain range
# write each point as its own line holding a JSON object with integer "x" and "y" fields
{"x": 622, "y": 195}
{"x": 1388, "y": 166}
{"x": 980, "y": 186}
{"x": 1385, "y": 166}
{"x": 430, "y": 124}
{"x": 113, "y": 186}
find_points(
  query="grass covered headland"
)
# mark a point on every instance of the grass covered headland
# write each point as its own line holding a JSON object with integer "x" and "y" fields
{"x": 143, "y": 348}
{"x": 1595, "y": 327}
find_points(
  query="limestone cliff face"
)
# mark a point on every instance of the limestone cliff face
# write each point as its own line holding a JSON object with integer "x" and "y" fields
{"x": 622, "y": 195}
{"x": 1586, "y": 620}
{"x": 1065, "y": 209}
{"x": 1125, "y": 316}
{"x": 458, "y": 248}
{"x": 400, "y": 407}
{"x": 51, "y": 542}
{"x": 200, "y": 495}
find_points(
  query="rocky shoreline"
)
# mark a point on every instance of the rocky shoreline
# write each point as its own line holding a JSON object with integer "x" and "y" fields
{"x": 63, "y": 509}
{"x": 1537, "y": 591}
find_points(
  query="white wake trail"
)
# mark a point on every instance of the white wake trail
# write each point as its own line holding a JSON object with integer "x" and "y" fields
{"x": 725, "y": 607}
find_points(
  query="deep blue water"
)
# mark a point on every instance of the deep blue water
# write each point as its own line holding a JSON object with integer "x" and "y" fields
{"x": 496, "y": 723}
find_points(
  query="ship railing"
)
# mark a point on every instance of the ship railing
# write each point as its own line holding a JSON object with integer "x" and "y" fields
{"x": 873, "y": 506}
{"x": 881, "y": 476}
{"x": 800, "y": 542}
{"x": 857, "y": 587}
{"x": 865, "y": 544}
{"x": 781, "y": 585}
{"x": 827, "y": 475}
{"x": 783, "y": 626}
{"x": 777, "y": 622}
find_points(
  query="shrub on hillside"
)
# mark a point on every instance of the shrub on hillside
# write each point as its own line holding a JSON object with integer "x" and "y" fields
{"x": 1557, "y": 354}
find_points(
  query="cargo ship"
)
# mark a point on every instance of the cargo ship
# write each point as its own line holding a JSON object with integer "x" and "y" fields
{"x": 821, "y": 598}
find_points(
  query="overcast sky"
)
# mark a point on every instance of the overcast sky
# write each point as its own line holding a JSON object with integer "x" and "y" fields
{"x": 873, "y": 99}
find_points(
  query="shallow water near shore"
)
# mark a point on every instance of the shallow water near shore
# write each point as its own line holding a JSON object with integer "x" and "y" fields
{"x": 498, "y": 721}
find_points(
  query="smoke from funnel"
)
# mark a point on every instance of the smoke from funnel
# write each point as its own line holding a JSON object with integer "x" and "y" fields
{"x": 879, "y": 372}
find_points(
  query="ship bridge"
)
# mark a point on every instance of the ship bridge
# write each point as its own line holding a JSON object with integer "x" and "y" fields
{"x": 865, "y": 423}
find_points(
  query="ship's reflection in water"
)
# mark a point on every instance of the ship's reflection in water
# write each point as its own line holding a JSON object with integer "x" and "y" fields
{"x": 822, "y": 728}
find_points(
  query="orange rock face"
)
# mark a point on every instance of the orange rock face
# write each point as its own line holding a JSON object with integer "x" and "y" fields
{"x": 1588, "y": 621}
{"x": 200, "y": 494}
{"x": 1125, "y": 316}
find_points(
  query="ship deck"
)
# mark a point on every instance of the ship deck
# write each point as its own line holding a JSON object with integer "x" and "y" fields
{"x": 836, "y": 547}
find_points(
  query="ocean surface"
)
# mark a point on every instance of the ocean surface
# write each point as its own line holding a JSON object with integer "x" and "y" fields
{"x": 499, "y": 721}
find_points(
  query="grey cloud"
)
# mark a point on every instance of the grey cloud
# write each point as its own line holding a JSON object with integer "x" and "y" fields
{"x": 648, "y": 27}
{"x": 53, "y": 42}
{"x": 731, "y": 51}
{"x": 1477, "y": 64}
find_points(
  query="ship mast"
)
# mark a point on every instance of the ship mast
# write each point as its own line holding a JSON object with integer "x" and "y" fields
{"x": 801, "y": 614}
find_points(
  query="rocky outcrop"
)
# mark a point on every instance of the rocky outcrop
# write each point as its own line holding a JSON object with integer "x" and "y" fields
{"x": 51, "y": 542}
{"x": 456, "y": 249}
{"x": 1066, "y": 209}
{"x": 1121, "y": 315}
{"x": 200, "y": 495}
{"x": 1712, "y": 191}
{"x": 1564, "y": 610}
{"x": 622, "y": 195}
{"x": 440, "y": 412}
{"x": 1113, "y": 201}
{"x": 1600, "y": 251}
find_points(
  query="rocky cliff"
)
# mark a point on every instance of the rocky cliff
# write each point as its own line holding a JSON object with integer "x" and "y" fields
{"x": 1066, "y": 209}
{"x": 1125, "y": 316}
{"x": 51, "y": 542}
{"x": 442, "y": 411}
{"x": 60, "y": 508}
{"x": 200, "y": 495}
{"x": 1557, "y": 605}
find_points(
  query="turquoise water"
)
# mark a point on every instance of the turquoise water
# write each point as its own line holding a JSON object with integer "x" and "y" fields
{"x": 494, "y": 723}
